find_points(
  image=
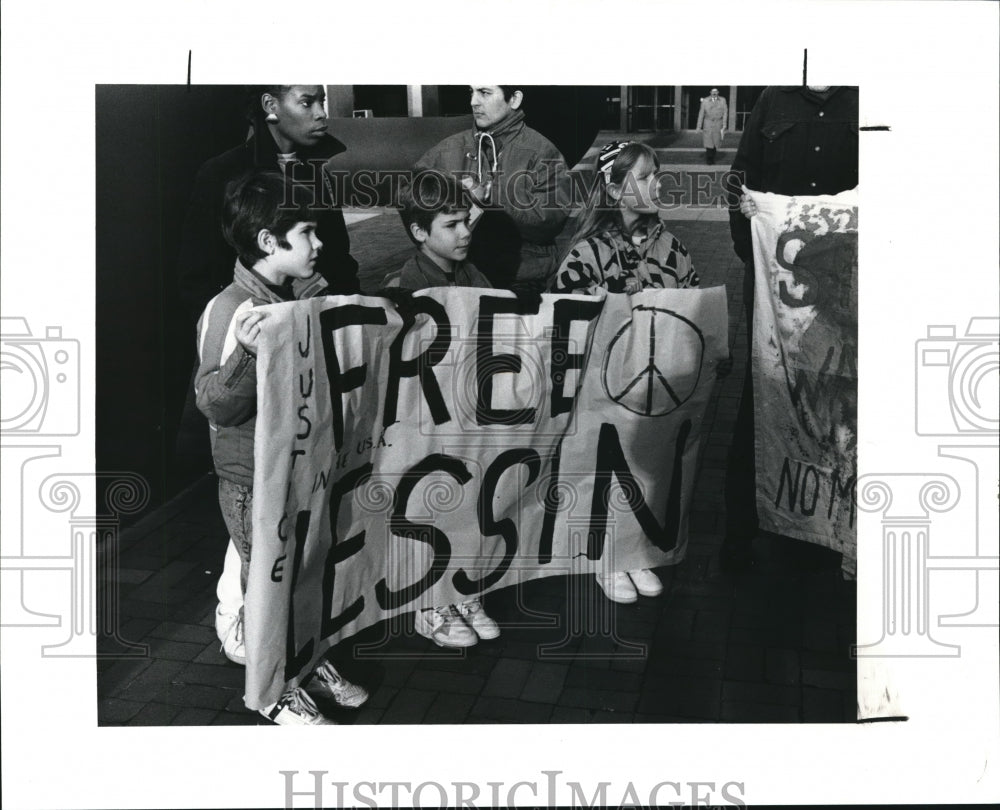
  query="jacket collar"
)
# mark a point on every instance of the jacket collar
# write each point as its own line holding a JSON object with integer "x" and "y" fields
{"x": 510, "y": 125}
{"x": 433, "y": 274}
{"x": 302, "y": 287}
{"x": 807, "y": 94}
{"x": 265, "y": 151}
{"x": 642, "y": 237}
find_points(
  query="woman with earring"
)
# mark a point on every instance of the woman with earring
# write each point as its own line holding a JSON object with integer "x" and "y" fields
{"x": 621, "y": 246}
{"x": 288, "y": 131}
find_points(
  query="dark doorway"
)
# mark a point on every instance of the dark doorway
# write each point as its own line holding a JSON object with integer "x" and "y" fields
{"x": 453, "y": 99}
{"x": 651, "y": 108}
{"x": 746, "y": 97}
{"x": 384, "y": 100}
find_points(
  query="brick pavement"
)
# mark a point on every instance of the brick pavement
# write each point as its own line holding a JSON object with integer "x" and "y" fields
{"x": 770, "y": 644}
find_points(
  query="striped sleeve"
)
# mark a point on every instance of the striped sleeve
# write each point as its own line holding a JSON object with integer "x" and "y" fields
{"x": 226, "y": 383}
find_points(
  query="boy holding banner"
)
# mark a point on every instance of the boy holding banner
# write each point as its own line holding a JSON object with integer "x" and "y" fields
{"x": 435, "y": 213}
{"x": 277, "y": 250}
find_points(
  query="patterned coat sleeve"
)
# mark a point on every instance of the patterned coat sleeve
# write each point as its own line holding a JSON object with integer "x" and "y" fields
{"x": 686, "y": 275}
{"x": 579, "y": 272}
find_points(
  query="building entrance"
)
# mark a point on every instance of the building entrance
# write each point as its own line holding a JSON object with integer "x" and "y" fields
{"x": 650, "y": 109}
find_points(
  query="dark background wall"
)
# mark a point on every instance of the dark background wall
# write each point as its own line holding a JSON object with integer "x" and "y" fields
{"x": 150, "y": 142}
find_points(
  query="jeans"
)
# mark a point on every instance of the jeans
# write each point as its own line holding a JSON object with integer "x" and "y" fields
{"x": 236, "y": 503}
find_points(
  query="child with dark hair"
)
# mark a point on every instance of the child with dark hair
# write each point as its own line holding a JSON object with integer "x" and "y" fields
{"x": 622, "y": 246}
{"x": 620, "y": 243}
{"x": 274, "y": 235}
{"x": 435, "y": 212}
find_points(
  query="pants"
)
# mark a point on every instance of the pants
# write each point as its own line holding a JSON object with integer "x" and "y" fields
{"x": 236, "y": 503}
{"x": 228, "y": 588}
{"x": 741, "y": 485}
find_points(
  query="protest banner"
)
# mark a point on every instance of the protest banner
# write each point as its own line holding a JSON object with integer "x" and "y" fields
{"x": 805, "y": 361}
{"x": 406, "y": 462}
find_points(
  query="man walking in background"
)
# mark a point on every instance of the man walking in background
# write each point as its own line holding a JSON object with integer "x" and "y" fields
{"x": 712, "y": 118}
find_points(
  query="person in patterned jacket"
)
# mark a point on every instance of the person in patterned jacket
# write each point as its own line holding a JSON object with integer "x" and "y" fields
{"x": 621, "y": 244}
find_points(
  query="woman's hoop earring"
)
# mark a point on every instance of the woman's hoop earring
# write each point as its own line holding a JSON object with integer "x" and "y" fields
{"x": 271, "y": 118}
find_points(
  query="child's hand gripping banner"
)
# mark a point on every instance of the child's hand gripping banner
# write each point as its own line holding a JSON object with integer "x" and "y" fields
{"x": 419, "y": 461}
{"x": 805, "y": 361}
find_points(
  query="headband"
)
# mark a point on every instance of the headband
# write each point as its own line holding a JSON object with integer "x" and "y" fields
{"x": 606, "y": 157}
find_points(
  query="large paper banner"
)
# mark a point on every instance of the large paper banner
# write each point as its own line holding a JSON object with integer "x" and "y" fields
{"x": 411, "y": 463}
{"x": 805, "y": 362}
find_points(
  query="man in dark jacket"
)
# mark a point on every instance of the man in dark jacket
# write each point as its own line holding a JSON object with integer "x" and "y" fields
{"x": 798, "y": 141}
{"x": 520, "y": 181}
{"x": 289, "y": 129}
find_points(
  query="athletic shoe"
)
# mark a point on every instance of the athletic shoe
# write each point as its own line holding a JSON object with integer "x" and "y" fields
{"x": 296, "y": 708}
{"x": 474, "y": 615}
{"x": 223, "y": 622}
{"x": 618, "y": 587}
{"x": 444, "y": 627}
{"x": 229, "y": 628}
{"x": 334, "y": 686}
{"x": 646, "y": 582}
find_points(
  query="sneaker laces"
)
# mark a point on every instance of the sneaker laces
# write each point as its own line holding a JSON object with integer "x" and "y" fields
{"x": 470, "y": 607}
{"x": 443, "y": 613}
{"x": 235, "y": 633}
{"x": 297, "y": 701}
{"x": 328, "y": 675}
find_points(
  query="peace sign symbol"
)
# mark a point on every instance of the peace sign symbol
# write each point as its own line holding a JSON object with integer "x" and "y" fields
{"x": 652, "y": 365}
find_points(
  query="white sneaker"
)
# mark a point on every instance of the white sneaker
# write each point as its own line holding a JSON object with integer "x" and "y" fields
{"x": 474, "y": 615}
{"x": 444, "y": 627}
{"x": 335, "y": 687}
{"x": 646, "y": 582}
{"x": 229, "y": 628}
{"x": 296, "y": 708}
{"x": 224, "y": 621}
{"x": 618, "y": 587}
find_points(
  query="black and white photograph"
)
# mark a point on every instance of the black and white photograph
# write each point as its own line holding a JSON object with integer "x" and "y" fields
{"x": 486, "y": 413}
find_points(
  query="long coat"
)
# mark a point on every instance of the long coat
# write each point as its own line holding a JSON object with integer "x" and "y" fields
{"x": 712, "y": 117}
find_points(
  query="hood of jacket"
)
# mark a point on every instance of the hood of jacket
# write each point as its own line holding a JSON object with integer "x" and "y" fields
{"x": 510, "y": 125}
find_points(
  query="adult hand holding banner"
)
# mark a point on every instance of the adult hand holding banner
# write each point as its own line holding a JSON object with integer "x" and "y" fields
{"x": 805, "y": 361}
{"x": 417, "y": 461}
